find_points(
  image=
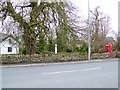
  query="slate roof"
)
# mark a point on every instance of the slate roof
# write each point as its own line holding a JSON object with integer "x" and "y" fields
{"x": 4, "y": 36}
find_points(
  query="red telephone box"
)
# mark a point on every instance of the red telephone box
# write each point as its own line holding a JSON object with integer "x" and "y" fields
{"x": 108, "y": 48}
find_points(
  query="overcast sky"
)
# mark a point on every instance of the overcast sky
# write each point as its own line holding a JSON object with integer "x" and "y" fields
{"x": 109, "y": 7}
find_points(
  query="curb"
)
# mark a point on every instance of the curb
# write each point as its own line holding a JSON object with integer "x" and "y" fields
{"x": 58, "y": 63}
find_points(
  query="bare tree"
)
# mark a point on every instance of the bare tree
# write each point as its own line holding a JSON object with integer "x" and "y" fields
{"x": 100, "y": 26}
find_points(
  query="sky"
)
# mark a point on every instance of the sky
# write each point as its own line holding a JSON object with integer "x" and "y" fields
{"x": 108, "y": 7}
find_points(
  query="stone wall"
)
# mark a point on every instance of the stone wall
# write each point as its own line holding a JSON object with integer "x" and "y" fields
{"x": 49, "y": 58}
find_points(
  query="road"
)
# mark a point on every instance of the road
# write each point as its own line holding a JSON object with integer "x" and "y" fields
{"x": 81, "y": 75}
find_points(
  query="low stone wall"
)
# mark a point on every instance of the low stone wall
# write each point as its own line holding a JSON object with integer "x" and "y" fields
{"x": 118, "y": 54}
{"x": 49, "y": 58}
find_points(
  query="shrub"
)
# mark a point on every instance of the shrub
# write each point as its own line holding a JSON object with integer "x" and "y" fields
{"x": 83, "y": 49}
{"x": 69, "y": 50}
{"x": 22, "y": 51}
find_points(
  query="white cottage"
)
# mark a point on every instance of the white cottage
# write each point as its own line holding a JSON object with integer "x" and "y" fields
{"x": 8, "y": 44}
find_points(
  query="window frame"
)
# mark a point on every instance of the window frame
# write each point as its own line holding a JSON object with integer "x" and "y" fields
{"x": 9, "y": 49}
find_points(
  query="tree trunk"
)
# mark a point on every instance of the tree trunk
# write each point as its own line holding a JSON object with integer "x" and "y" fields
{"x": 29, "y": 42}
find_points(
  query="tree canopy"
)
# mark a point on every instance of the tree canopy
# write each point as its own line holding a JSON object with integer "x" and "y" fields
{"x": 45, "y": 23}
{"x": 46, "y": 19}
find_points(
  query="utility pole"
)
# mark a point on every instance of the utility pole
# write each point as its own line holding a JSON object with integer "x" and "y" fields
{"x": 89, "y": 40}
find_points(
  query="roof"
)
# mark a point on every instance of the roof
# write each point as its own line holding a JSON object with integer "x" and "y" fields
{"x": 109, "y": 40}
{"x": 5, "y": 36}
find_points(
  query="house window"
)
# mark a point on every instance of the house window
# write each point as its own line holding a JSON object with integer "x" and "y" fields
{"x": 9, "y": 41}
{"x": 9, "y": 49}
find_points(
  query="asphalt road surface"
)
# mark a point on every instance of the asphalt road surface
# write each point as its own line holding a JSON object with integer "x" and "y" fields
{"x": 84, "y": 75}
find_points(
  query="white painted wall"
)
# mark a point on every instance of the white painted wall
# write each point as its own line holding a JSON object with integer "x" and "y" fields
{"x": 5, "y": 44}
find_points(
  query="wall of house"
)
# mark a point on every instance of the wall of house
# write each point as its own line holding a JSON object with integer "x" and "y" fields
{"x": 5, "y": 44}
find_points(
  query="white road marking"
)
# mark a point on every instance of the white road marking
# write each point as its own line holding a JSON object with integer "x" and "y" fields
{"x": 72, "y": 70}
